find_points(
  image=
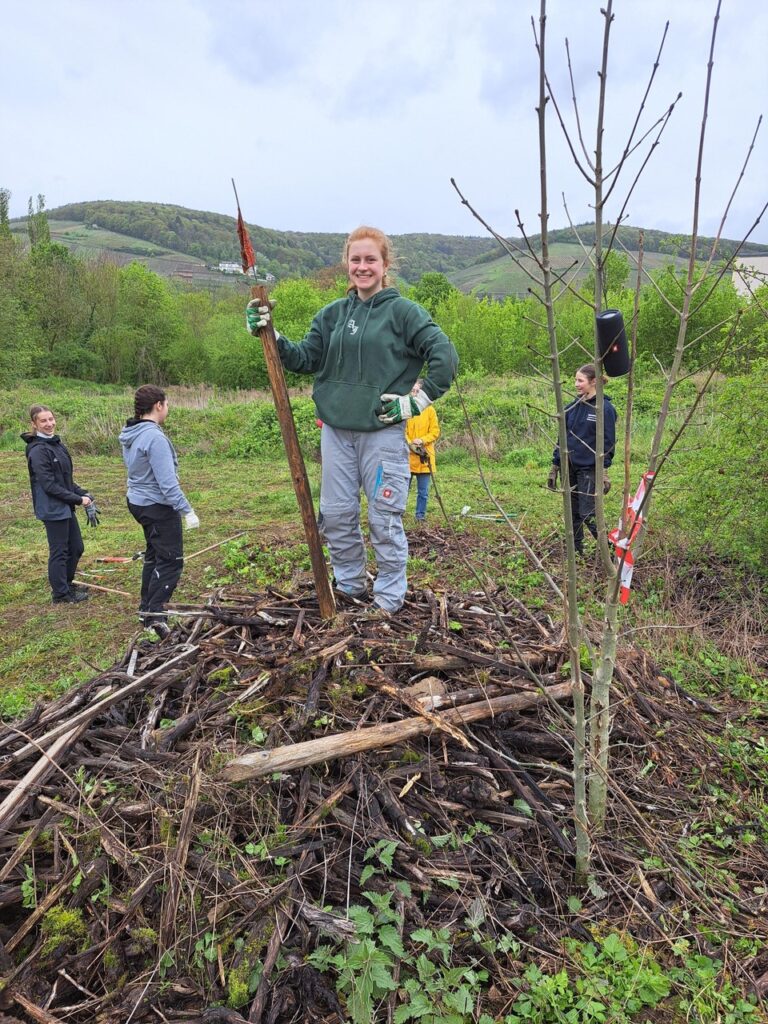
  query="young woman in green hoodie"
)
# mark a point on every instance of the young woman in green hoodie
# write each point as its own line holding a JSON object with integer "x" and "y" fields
{"x": 366, "y": 351}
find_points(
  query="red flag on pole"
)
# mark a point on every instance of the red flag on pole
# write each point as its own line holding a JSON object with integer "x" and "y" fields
{"x": 246, "y": 249}
{"x": 247, "y": 255}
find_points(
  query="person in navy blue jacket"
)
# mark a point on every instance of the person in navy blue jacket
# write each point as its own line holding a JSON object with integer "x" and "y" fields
{"x": 581, "y": 432}
{"x": 55, "y": 496}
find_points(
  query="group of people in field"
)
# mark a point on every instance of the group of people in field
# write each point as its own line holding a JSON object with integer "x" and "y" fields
{"x": 367, "y": 353}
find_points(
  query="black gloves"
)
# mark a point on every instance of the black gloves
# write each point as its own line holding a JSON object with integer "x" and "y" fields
{"x": 552, "y": 478}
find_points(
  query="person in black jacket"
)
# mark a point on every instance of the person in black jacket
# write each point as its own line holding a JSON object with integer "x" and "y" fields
{"x": 581, "y": 432}
{"x": 55, "y": 496}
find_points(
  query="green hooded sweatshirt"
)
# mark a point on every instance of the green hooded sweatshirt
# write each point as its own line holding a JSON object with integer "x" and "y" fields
{"x": 359, "y": 351}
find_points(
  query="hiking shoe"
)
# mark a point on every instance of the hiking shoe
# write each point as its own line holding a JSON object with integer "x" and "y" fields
{"x": 78, "y": 588}
{"x": 377, "y": 611}
{"x": 71, "y": 597}
{"x": 358, "y": 600}
{"x": 155, "y": 622}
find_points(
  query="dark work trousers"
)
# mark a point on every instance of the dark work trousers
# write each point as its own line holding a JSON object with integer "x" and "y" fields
{"x": 65, "y": 546}
{"x": 164, "y": 556}
{"x": 582, "y": 484}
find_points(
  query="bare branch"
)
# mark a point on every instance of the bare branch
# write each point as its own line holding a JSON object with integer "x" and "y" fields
{"x": 716, "y": 239}
{"x": 631, "y": 376}
{"x": 575, "y": 105}
{"x": 511, "y": 249}
{"x": 642, "y": 167}
{"x": 628, "y": 146}
{"x": 649, "y": 279}
{"x": 700, "y": 156}
{"x": 617, "y": 167}
{"x": 576, "y": 160}
{"x": 728, "y": 263}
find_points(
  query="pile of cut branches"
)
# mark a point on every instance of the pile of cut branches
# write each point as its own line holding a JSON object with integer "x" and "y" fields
{"x": 268, "y": 816}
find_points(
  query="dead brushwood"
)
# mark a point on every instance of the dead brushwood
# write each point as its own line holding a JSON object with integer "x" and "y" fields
{"x": 138, "y": 884}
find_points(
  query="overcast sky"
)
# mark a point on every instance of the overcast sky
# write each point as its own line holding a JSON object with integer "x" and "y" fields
{"x": 332, "y": 113}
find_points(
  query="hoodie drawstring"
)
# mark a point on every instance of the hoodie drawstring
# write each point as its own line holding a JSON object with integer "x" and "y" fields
{"x": 354, "y": 299}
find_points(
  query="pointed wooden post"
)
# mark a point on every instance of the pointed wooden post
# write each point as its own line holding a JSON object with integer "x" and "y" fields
{"x": 295, "y": 460}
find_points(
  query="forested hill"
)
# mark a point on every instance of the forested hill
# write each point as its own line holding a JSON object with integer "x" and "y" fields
{"x": 212, "y": 237}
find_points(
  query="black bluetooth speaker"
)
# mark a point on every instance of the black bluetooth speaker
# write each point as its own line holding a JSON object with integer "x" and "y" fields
{"x": 612, "y": 341}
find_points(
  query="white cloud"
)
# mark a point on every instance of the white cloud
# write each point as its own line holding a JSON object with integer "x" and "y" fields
{"x": 330, "y": 114}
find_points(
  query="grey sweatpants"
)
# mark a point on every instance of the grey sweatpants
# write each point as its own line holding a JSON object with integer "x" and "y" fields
{"x": 377, "y": 462}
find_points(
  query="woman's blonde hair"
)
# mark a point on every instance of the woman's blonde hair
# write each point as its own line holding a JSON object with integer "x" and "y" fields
{"x": 384, "y": 244}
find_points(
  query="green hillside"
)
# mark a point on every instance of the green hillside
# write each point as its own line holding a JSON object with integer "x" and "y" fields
{"x": 211, "y": 237}
{"x": 176, "y": 241}
{"x": 92, "y": 241}
{"x": 501, "y": 277}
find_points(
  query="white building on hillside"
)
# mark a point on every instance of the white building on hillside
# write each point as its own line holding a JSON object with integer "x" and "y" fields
{"x": 230, "y": 268}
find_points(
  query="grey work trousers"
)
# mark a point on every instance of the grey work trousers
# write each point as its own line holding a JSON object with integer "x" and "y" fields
{"x": 377, "y": 462}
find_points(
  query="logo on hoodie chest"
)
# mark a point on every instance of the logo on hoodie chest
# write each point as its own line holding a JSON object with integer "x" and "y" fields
{"x": 353, "y": 327}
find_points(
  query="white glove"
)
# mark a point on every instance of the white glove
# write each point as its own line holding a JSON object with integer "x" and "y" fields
{"x": 396, "y": 408}
{"x": 257, "y": 316}
{"x": 191, "y": 520}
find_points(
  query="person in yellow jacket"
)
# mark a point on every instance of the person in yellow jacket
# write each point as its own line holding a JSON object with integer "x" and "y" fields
{"x": 421, "y": 432}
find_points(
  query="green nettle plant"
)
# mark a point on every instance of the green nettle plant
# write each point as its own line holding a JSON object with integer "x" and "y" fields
{"x": 704, "y": 321}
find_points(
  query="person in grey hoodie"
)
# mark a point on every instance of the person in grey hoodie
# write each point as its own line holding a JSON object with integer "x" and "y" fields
{"x": 156, "y": 502}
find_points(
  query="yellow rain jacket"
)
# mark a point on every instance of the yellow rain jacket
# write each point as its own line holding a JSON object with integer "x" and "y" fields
{"x": 426, "y": 427}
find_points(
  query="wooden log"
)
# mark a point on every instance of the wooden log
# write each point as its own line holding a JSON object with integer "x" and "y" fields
{"x": 295, "y": 461}
{"x": 328, "y": 748}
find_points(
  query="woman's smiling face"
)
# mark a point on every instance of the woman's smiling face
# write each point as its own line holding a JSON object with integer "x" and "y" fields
{"x": 366, "y": 267}
{"x": 45, "y": 423}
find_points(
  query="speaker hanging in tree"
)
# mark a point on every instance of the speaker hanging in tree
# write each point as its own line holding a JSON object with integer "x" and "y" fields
{"x": 612, "y": 342}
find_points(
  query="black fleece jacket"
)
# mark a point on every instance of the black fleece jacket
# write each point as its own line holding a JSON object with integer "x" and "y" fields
{"x": 54, "y": 492}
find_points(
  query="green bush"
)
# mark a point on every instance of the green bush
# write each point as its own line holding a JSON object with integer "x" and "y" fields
{"x": 260, "y": 434}
{"x": 720, "y": 486}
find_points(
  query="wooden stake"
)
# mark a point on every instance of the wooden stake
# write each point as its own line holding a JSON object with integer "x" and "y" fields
{"x": 106, "y": 590}
{"x": 218, "y": 544}
{"x": 295, "y": 460}
{"x": 327, "y": 748}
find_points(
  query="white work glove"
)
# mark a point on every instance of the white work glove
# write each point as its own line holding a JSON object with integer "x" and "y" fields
{"x": 191, "y": 520}
{"x": 258, "y": 316}
{"x": 396, "y": 408}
